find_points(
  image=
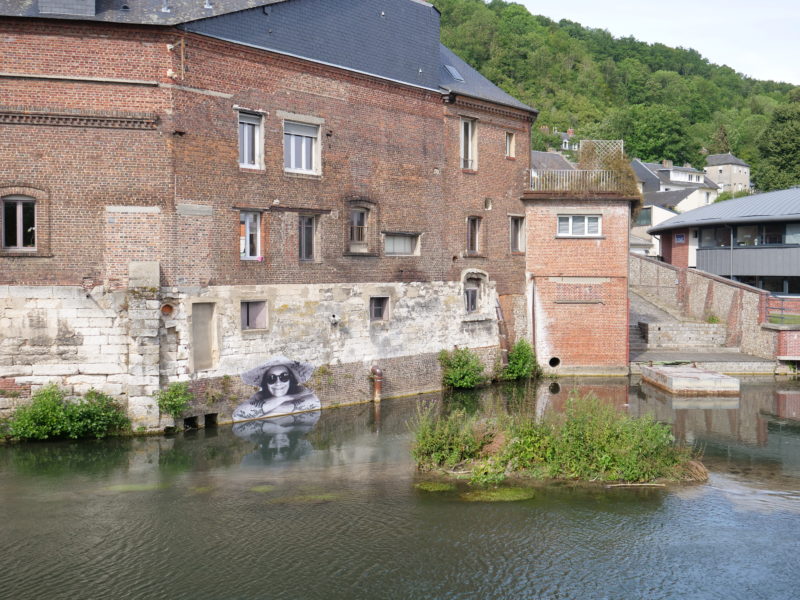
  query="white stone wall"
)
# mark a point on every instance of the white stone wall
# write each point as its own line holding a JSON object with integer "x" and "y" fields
{"x": 325, "y": 324}
{"x": 65, "y": 335}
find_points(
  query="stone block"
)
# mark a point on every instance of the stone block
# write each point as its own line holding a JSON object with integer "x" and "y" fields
{"x": 56, "y": 369}
{"x": 101, "y": 369}
{"x": 30, "y": 291}
{"x": 16, "y": 371}
{"x": 145, "y": 273}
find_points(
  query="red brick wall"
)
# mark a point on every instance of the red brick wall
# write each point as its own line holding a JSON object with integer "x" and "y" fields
{"x": 674, "y": 252}
{"x": 395, "y": 146}
{"x": 580, "y": 285}
{"x": 788, "y": 343}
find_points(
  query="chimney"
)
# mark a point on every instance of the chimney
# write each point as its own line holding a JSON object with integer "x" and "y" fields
{"x": 667, "y": 164}
{"x": 80, "y": 8}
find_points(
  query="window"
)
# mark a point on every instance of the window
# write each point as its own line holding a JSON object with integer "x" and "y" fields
{"x": 517, "y": 231}
{"x": 300, "y": 147}
{"x": 250, "y": 140}
{"x": 472, "y": 288}
{"x": 378, "y": 308}
{"x": 249, "y": 235}
{"x": 792, "y": 233}
{"x": 645, "y": 217}
{"x": 19, "y": 223}
{"x": 469, "y": 148}
{"x": 746, "y": 235}
{"x": 715, "y": 237}
{"x": 511, "y": 145}
{"x": 400, "y": 244}
{"x": 579, "y": 225}
{"x": 308, "y": 229}
{"x": 358, "y": 229}
{"x": 473, "y": 235}
{"x": 254, "y": 315}
{"x": 773, "y": 233}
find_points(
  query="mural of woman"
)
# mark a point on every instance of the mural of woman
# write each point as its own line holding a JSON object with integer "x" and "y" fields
{"x": 282, "y": 392}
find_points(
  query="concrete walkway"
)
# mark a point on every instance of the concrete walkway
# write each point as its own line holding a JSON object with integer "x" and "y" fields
{"x": 721, "y": 360}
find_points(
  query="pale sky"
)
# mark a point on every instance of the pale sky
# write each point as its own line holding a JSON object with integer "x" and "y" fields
{"x": 760, "y": 39}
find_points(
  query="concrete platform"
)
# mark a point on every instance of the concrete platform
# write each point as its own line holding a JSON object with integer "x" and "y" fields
{"x": 721, "y": 360}
{"x": 690, "y": 381}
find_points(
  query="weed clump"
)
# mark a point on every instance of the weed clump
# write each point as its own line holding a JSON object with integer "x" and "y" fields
{"x": 50, "y": 415}
{"x": 461, "y": 368}
{"x": 592, "y": 441}
{"x": 521, "y": 362}
{"x": 174, "y": 400}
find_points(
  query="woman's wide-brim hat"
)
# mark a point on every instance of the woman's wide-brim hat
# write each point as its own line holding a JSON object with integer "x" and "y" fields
{"x": 301, "y": 370}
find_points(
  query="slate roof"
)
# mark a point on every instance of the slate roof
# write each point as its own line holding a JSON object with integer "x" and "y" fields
{"x": 396, "y": 40}
{"x": 141, "y": 12}
{"x": 782, "y": 205}
{"x": 474, "y": 84}
{"x": 549, "y": 161}
{"x": 650, "y": 181}
{"x": 669, "y": 199}
{"x": 716, "y": 160}
{"x": 652, "y": 174}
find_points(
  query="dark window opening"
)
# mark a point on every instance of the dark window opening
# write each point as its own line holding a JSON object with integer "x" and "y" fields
{"x": 378, "y": 308}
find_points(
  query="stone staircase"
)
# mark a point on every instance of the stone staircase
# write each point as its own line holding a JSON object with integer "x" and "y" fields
{"x": 657, "y": 335}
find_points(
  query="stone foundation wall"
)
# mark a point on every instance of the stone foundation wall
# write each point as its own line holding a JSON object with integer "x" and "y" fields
{"x": 131, "y": 343}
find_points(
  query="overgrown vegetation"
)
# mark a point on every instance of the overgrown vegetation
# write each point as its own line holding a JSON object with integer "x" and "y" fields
{"x": 461, "y": 368}
{"x": 592, "y": 441}
{"x": 664, "y": 102}
{"x": 174, "y": 400}
{"x": 50, "y": 415}
{"x": 521, "y": 362}
{"x": 445, "y": 441}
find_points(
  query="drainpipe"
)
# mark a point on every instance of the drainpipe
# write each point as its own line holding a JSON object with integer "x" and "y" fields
{"x": 377, "y": 383}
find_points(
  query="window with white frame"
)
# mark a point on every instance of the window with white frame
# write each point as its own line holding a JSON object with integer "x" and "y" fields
{"x": 473, "y": 235}
{"x": 307, "y": 235}
{"x": 253, "y": 314}
{"x": 517, "y": 233}
{"x": 249, "y": 235}
{"x": 400, "y": 244}
{"x": 511, "y": 145}
{"x": 250, "y": 140}
{"x": 300, "y": 147}
{"x": 359, "y": 218}
{"x": 19, "y": 223}
{"x": 469, "y": 145}
{"x": 378, "y": 308}
{"x": 579, "y": 225}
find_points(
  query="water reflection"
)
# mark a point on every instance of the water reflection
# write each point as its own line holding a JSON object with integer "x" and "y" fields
{"x": 278, "y": 438}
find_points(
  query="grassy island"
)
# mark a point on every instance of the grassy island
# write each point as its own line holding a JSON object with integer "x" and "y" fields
{"x": 591, "y": 441}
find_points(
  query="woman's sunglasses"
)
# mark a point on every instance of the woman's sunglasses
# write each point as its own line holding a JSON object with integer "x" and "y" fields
{"x": 273, "y": 378}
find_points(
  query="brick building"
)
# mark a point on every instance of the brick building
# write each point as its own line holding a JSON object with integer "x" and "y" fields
{"x": 190, "y": 188}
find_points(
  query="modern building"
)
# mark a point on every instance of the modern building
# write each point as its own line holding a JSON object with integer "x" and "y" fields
{"x": 732, "y": 174}
{"x": 754, "y": 240}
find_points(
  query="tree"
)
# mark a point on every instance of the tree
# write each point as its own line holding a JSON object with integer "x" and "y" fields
{"x": 779, "y": 145}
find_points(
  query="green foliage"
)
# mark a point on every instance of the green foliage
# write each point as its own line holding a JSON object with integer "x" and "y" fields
{"x": 444, "y": 441}
{"x": 521, "y": 362}
{"x": 592, "y": 441}
{"x": 713, "y": 319}
{"x": 50, "y": 415}
{"x": 461, "y": 368}
{"x": 780, "y": 150}
{"x": 174, "y": 400}
{"x": 731, "y": 195}
{"x": 577, "y": 77}
{"x": 45, "y": 417}
{"x": 95, "y": 416}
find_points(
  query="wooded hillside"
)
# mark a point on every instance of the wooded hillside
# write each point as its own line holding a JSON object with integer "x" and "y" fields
{"x": 664, "y": 102}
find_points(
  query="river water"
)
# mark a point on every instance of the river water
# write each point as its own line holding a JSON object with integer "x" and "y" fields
{"x": 331, "y": 509}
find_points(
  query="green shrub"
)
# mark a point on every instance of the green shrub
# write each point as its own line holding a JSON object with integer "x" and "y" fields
{"x": 444, "y": 441}
{"x": 521, "y": 362}
{"x": 50, "y": 415}
{"x": 96, "y": 415}
{"x": 174, "y": 400}
{"x": 461, "y": 368}
{"x": 713, "y": 319}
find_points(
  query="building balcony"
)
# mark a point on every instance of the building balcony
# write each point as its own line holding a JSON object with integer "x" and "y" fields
{"x": 579, "y": 181}
{"x": 768, "y": 261}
